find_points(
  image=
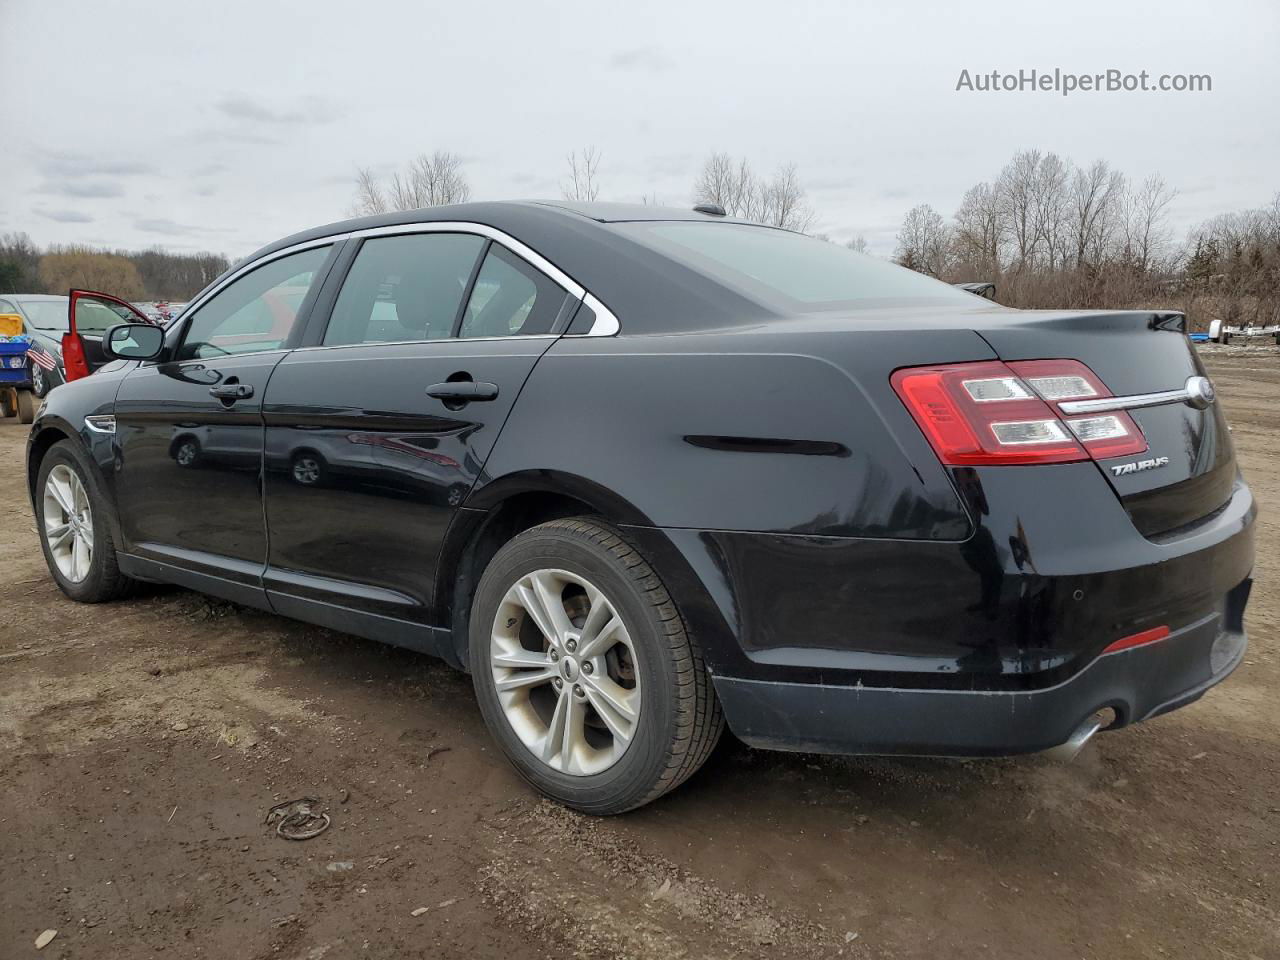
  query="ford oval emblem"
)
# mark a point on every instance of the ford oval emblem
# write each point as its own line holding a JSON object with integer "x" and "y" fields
{"x": 1200, "y": 392}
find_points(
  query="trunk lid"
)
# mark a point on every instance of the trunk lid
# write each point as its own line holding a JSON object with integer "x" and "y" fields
{"x": 1136, "y": 352}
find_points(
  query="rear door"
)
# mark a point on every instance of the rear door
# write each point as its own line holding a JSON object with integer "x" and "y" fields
{"x": 377, "y": 431}
{"x": 189, "y": 430}
{"x": 89, "y": 314}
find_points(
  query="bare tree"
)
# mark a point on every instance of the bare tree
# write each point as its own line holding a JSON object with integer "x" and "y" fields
{"x": 583, "y": 167}
{"x": 1095, "y": 203}
{"x": 783, "y": 203}
{"x": 733, "y": 185}
{"x": 980, "y": 230}
{"x": 1146, "y": 222}
{"x": 370, "y": 199}
{"x": 857, "y": 243}
{"x": 428, "y": 181}
{"x": 924, "y": 241}
{"x": 1017, "y": 189}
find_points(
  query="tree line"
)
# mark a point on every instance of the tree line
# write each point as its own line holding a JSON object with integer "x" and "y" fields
{"x": 152, "y": 274}
{"x": 1050, "y": 233}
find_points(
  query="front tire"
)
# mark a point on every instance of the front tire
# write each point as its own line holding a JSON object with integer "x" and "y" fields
{"x": 75, "y": 533}
{"x": 584, "y": 671}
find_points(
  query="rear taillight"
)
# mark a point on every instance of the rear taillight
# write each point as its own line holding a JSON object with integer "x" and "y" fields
{"x": 995, "y": 413}
{"x": 74, "y": 364}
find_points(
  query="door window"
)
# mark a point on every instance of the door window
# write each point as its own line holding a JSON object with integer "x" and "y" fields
{"x": 256, "y": 312}
{"x": 404, "y": 288}
{"x": 510, "y": 298}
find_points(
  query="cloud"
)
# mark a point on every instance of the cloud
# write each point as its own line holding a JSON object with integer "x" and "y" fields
{"x": 641, "y": 58}
{"x": 307, "y": 110}
{"x": 64, "y": 216}
{"x": 70, "y": 164}
{"x": 164, "y": 225}
{"x": 171, "y": 228}
{"x": 84, "y": 189}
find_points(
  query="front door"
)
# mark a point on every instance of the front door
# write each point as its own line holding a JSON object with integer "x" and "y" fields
{"x": 189, "y": 431}
{"x": 89, "y": 314}
{"x": 377, "y": 432}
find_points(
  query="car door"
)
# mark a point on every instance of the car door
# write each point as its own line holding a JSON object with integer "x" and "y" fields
{"x": 189, "y": 430}
{"x": 378, "y": 429}
{"x": 89, "y": 314}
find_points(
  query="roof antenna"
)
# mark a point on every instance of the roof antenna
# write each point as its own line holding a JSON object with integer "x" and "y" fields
{"x": 712, "y": 208}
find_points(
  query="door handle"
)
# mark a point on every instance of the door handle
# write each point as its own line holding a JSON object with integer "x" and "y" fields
{"x": 231, "y": 391}
{"x": 463, "y": 391}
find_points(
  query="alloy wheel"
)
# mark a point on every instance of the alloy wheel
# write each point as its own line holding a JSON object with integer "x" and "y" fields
{"x": 564, "y": 667}
{"x": 306, "y": 470}
{"x": 68, "y": 523}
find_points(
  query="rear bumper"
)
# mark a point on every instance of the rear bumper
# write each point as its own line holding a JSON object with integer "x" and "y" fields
{"x": 1137, "y": 684}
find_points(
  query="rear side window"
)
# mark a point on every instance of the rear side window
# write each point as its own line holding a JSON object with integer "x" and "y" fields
{"x": 257, "y": 312}
{"x": 404, "y": 288}
{"x": 790, "y": 270}
{"x": 511, "y": 298}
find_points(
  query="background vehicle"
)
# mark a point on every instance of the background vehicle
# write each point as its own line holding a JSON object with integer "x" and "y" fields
{"x": 15, "y": 381}
{"x": 642, "y": 471}
{"x": 44, "y": 320}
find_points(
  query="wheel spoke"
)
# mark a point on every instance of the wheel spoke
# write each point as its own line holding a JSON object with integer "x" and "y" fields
{"x": 527, "y": 599}
{"x": 80, "y": 559}
{"x": 548, "y": 590}
{"x": 555, "y": 729}
{"x": 62, "y": 495}
{"x": 524, "y": 678}
{"x": 614, "y": 704}
{"x": 574, "y": 732}
{"x": 609, "y": 634}
{"x": 58, "y": 535}
{"x": 520, "y": 659}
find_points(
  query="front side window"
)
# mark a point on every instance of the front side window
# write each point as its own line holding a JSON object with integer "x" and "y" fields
{"x": 254, "y": 313}
{"x": 404, "y": 288}
{"x": 510, "y": 299}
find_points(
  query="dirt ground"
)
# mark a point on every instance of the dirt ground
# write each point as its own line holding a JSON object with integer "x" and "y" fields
{"x": 142, "y": 745}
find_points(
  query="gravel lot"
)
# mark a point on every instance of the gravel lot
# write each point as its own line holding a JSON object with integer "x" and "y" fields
{"x": 142, "y": 745}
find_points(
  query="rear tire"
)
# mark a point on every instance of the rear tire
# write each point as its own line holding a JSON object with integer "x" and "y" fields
{"x": 8, "y": 402}
{"x": 629, "y": 674}
{"x": 26, "y": 406}
{"x": 66, "y": 486}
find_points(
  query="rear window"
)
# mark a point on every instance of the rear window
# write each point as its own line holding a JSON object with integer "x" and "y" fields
{"x": 788, "y": 269}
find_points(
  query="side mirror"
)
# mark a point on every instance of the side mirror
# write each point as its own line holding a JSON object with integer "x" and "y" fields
{"x": 133, "y": 341}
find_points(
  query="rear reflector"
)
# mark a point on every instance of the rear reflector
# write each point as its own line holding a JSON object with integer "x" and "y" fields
{"x": 1137, "y": 639}
{"x": 995, "y": 413}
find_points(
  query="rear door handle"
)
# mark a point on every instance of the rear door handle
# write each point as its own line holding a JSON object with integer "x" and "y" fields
{"x": 463, "y": 390}
{"x": 231, "y": 391}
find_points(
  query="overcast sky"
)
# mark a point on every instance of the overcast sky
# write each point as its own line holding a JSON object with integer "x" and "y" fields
{"x": 225, "y": 125}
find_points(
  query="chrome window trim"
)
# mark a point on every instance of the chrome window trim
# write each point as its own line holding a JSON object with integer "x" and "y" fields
{"x": 406, "y": 343}
{"x": 1186, "y": 394}
{"x": 606, "y": 322}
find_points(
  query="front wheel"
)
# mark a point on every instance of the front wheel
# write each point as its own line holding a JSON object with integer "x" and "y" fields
{"x": 584, "y": 671}
{"x": 75, "y": 534}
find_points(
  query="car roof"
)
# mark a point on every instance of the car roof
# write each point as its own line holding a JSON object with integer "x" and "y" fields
{"x": 34, "y": 296}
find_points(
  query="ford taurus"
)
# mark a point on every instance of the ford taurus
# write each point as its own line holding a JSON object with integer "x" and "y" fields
{"x": 646, "y": 472}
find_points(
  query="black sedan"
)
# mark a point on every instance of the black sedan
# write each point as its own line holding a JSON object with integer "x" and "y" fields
{"x": 643, "y": 472}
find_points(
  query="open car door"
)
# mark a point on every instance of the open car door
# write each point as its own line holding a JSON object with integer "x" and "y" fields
{"x": 89, "y": 314}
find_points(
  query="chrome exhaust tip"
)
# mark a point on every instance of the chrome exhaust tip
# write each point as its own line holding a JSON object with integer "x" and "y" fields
{"x": 1066, "y": 752}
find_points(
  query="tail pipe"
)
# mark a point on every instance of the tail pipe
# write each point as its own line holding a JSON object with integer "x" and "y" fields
{"x": 1065, "y": 752}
